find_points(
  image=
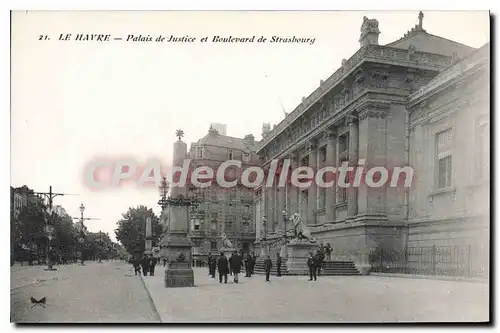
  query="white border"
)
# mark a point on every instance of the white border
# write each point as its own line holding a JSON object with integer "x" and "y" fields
{"x": 180, "y": 5}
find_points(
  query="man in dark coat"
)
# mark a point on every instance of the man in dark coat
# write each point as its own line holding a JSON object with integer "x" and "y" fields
{"x": 268, "y": 265}
{"x": 236, "y": 261}
{"x": 311, "y": 263}
{"x": 136, "y": 262}
{"x": 248, "y": 265}
{"x": 278, "y": 265}
{"x": 223, "y": 266}
{"x": 254, "y": 261}
{"x": 210, "y": 266}
{"x": 152, "y": 266}
{"x": 319, "y": 258}
{"x": 145, "y": 265}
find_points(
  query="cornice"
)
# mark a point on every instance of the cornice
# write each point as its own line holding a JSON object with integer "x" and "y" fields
{"x": 372, "y": 53}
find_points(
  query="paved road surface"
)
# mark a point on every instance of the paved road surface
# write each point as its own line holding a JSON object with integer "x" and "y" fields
{"x": 330, "y": 299}
{"x": 98, "y": 293}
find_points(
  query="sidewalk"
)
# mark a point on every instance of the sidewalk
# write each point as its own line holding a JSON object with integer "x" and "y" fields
{"x": 339, "y": 299}
{"x": 94, "y": 293}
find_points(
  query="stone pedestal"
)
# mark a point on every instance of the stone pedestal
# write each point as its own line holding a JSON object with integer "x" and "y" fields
{"x": 179, "y": 271}
{"x": 298, "y": 252}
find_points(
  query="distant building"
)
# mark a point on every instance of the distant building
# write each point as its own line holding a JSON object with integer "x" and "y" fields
{"x": 220, "y": 128}
{"x": 19, "y": 198}
{"x": 223, "y": 210}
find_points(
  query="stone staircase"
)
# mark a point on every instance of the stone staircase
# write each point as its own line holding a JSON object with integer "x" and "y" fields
{"x": 333, "y": 268}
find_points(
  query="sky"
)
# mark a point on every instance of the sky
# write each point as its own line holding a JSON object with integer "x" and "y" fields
{"x": 74, "y": 101}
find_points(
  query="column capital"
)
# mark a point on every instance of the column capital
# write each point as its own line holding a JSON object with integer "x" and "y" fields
{"x": 373, "y": 109}
{"x": 292, "y": 157}
{"x": 330, "y": 133}
{"x": 312, "y": 145}
{"x": 351, "y": 118}
{"x": 372, "y": 113}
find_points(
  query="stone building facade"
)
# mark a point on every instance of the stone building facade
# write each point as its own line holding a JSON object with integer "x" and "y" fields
{"x": 385, "y": 105}
{"x": 449, "y": 126}
{"x": 228, "y": 210}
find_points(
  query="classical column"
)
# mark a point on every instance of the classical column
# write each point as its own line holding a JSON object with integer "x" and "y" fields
{"x": 281, "y": 196}
{"x": 320, "y": 191}
{"x": 352, "y": 191}
{"x": 258, "y": 216}
{"x": 330, "y": 192}
{"x": 312, "y": 190}
{"x": 293, "y": 191}
{"x": 373, "y": 150}
{"x": 270, "y": 209}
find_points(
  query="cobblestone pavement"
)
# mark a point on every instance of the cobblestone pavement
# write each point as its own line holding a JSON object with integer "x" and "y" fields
{"x": 330, "y": 299}
{"x": 106, "y": 292}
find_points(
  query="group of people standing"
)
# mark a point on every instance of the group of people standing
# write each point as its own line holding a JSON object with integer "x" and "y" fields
{"x": 147, "y": 262}
{"x": 315, "y": 261}
{"x": 231, "y": 266}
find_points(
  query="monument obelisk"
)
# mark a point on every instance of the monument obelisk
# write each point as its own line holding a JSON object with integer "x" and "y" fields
{"x": 179, "y": 272}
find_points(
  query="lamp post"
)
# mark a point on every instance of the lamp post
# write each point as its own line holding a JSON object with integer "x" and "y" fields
{"x": 49, "y": 229}
{"x": 83, "y": 230}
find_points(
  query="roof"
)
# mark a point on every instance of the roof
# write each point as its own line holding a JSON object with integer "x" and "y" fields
{"x": 426, "y": 42}
{"x": 474, "y": 60}
{"x": 213, "y": 138}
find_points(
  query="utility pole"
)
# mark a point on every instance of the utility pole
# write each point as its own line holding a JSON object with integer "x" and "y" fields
{"x": 81, "y": 239}
{"x": 49, "y": 229}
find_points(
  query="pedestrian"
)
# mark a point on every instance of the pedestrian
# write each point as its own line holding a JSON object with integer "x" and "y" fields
{"x": 145, "y": 265}
{"x": 254, "y": 261}
{"x": 248, "y": 265}
{"x": 328, "y": 252}
{"x": 311, "y": 263}
{"x": 152, "y": 267}
{"x": 278, "y": 265}
{"x": 235, "y": 263}
{"x": 268, "y": 265}
{"x": 319, "y": 257}
{"x": 211, "y": 266}
{"x": 136, "y": 262}
{"x": 223, "y": 267}
{"x": 164, "y": 262}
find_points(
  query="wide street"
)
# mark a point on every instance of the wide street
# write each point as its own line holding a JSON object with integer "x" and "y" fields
{"x": 109, "y": 292}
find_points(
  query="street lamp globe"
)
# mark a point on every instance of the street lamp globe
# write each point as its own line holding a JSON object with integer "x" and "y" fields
{"x": 82, "y": 208}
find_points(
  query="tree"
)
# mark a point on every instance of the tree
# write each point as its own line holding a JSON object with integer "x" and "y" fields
{"x": 131, "y": 231}
{"x": 28, "y": 229}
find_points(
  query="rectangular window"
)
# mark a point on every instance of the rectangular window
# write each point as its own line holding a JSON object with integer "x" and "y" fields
{"x": 213, "y": 245}
{"x": 343, "y": 143}
{"x": 342, "y": 191}
{"x": 481, "y": 158}
{"x": 444, "y": 142}
{"x": 199, "y": 152}
{"x": 322, "y": 152}
{"x": 213, "y": 225}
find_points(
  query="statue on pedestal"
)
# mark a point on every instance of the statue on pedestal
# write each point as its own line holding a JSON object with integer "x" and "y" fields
{"x": 226, "y": 243}
{"x": 300, "y": 229}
